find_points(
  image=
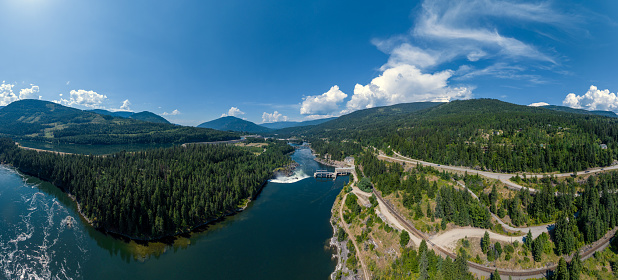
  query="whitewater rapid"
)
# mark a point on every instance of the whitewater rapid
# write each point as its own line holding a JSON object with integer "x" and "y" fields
{"x": 38, "y": 240}
{"x": 298, "y": 175}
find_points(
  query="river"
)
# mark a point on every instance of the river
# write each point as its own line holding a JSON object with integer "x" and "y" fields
{"x": 283, "y": 234}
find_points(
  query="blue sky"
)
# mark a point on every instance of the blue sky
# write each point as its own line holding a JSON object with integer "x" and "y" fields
{"x": 194, "y": 61}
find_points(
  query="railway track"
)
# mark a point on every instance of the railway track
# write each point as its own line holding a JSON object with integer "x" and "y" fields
{"x": 600, "y": 244}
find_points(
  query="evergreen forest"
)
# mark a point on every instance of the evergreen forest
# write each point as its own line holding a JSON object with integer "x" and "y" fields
{"x": 155, "y": 193}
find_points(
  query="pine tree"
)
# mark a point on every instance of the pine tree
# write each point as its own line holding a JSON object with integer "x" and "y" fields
{"x": 495, "y": 275}
{"x": 498, "y": 248}
{"x": 562, "y": 273}
{"x": 422, "y": 266}
{"x": 575, "y": 266}
{"x": 404, "y": 238}
{"x": 485, "y": 242}
{"x": 528, "y": 240}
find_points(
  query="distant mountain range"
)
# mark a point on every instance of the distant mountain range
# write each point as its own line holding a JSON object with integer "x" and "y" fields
{"x": 280, "y": 125}
{"x": 231, "y": 123}
{"x": 580, "y": 111}
{"x": 142, "y": 116}
{"x": 47, "y": 121}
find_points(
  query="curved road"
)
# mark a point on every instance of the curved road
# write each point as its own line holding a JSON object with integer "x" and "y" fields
{"x": 481, "y": 270}
{"x": 350, "y": 236}
{"x": 535, "y": 230}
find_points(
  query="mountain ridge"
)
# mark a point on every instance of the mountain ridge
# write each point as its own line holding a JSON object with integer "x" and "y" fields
{"x": 47, "y": 121}
{"x": 231, "y": 123}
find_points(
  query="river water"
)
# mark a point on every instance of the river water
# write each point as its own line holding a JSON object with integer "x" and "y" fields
{"x": 283, "y": 234}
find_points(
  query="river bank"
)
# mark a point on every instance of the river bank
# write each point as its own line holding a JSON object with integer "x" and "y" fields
{"x": 166, "y": 239}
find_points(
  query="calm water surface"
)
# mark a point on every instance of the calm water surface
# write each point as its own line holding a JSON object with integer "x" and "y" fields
{"x": 282, "y": 235}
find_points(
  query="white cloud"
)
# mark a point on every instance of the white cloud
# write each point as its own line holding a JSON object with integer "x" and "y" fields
{"x": 274, "y": 117}
{"x": 126, "y": 105}
{"x": 6, "y": 94}
{"x": 405, "y": 83}
{"x": 29, "y": 93}
{"x": 173, "y": 113}
{"x": 462, "y": 28}
{"x": 318, "y": 117}
{"x": 407, "y": 54}
{"x": 323, "y": 104}
{"x": 235, "y": 112}
{"x": 538, "y": 104}
{"x": 447, "y": 32}
{"x": 84, "y": 98}
{"x": 593, "y": 99}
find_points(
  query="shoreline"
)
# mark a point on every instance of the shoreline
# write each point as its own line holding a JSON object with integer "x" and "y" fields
{"x": 167, "y": 239}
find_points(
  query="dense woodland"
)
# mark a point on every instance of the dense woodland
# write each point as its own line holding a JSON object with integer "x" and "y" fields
{"x": 154, "y": 193}
{"x": 482, "y": 133}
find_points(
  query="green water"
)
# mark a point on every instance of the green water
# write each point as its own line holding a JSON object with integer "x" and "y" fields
{"x": 281, "y": 235}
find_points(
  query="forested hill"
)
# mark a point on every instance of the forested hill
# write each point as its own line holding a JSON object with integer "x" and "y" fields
{"x": 155, "y": 193}
{"x": 280, "y": 125}
{"x": 361, "y": 120}
{"x": 580, "y": 111}
{"x": 480, "y": 133}
{"x": 231, "y": 123}
{"x": 149, "y": 117}
{"x": 46, "y": 121}
{"x": 142, "y": 116}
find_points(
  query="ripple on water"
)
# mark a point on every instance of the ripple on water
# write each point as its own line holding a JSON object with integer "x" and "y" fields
{"x": 45, "y": 242}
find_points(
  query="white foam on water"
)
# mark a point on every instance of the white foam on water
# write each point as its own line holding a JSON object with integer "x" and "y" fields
{"x": 297, "y": 176}
{"x": 38, "y": 246}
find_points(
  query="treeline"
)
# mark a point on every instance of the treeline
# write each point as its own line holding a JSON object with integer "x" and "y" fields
{"x": 154, "y": 193}
{"x": 136, "y": 132}
{"x": 484, "y": 134}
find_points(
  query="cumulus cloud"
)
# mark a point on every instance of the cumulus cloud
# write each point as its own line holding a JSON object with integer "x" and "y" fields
{"x": 593, "y": 99}
{"x": 84, "y": 98}
{"x": 323, "y": 104}
{"x": 235, "y": 112}
{"x": 538, "y": 104}
{"x": 447, "y": 32}
{"x": 6, "y": 94}
{"x": 173, "y": 113}
{"x": 274, "y": 117}
{"x": 405, "y": 83}
{"x": 30, "y": 93}
{"x": 126, "y": 105}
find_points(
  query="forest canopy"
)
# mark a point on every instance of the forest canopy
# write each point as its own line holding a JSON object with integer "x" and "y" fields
{"x": 155, "y": 193}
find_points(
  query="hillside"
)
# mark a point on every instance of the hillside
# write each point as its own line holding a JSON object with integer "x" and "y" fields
{"x": 280, "y": 125}
{"x": 148, "y": 117}
{"x": 580, "y": 111}
{"x": 234, "y": 124}
{"x": 362, "y": 119}
{"x": 480, "y": 133}
{"x": 46, "y": 121}
{"x": 142, "y": 116}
